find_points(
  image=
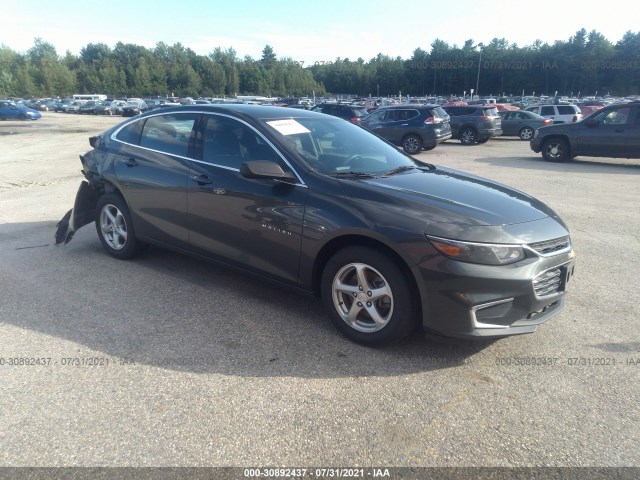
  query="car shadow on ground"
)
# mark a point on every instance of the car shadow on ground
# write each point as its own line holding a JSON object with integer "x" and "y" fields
{"x": 176, "y": 312}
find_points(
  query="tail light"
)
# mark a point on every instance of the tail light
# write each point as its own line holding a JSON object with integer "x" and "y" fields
{"x": 432, "y": 120}
{"x": 355, "y": 119}
{"x": 484, "y": 117}
{"x": 547, "y": 122}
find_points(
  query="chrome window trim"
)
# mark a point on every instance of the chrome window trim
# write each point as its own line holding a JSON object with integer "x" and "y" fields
{"x": 126, "y": 124}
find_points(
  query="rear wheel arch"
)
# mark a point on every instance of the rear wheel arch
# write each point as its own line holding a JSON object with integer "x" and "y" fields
{"x": 115, "y": 227}
{"x": 412, "y": 143}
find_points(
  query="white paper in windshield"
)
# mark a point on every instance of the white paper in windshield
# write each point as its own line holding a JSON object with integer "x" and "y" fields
{"x": 288, "y": 126}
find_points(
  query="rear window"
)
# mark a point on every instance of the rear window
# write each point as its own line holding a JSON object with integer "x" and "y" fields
{"x": 566, "y": 110}
{"x": 439, "y": 112}
{"x": 491, "y": 112}
{"x": 360, "y": 112}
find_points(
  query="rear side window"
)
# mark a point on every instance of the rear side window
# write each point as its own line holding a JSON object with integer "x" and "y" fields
{"x": 330, "y": 109}
{"x": 490, "y": 112}
{"x": 376, "y": 116}
{"x": 130, "y": 133}
{"x": 566, "y": 110}
{"x": 402, "y": 115}
{"x": 168, "y": 133}
{"x": 456, "y": 112}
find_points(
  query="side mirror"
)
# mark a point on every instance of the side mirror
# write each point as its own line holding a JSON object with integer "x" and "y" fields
{"x": 591, "y": 122}
{"x": 266, "y": 169}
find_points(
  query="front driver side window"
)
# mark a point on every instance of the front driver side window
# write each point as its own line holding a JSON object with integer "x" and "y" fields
{"x": 616, "y": 117}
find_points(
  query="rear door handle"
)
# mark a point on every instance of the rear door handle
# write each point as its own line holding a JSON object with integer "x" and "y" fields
{"x": 130, "y": 162}
{"x": 201, "y": 179}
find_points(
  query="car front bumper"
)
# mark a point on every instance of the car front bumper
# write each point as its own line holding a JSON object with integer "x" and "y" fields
{"x": 536, "y": 144}
{"x": 470, "y": 300}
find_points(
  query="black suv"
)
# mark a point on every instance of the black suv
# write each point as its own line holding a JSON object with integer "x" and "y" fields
{"x": 474, "y": 123}
{"x": 612, "y": 131}
{"x": 347, "y": 112}
{"x": 413, "y": 127}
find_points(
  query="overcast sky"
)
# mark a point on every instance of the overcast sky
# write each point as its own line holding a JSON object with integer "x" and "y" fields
{"x": 305, "y": 31}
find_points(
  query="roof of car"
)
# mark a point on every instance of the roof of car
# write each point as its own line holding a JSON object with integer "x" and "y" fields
{"x": 409, "y": 105}
{"x": 255, "y": 111}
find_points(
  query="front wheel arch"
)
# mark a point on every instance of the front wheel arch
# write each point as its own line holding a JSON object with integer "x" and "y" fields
{"x": 344, "y": 241}
{"x": 556, "y": 149}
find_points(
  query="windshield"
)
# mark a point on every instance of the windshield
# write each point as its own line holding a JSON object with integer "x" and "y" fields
{"x": 333, "y": 146}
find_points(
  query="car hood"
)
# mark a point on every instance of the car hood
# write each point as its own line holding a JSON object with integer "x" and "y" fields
{"x": 451, "y": 196}
{"x": 451, "y": 204}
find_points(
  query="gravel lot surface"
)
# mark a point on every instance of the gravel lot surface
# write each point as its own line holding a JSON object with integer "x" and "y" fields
{"x": 198, "y": 365}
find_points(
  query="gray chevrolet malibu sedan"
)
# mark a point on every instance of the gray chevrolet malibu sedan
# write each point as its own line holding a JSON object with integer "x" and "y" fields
{"x": 321, "y": 205}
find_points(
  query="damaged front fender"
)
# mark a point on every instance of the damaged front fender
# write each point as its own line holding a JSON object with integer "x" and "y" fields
{"x": 82, "y": 213}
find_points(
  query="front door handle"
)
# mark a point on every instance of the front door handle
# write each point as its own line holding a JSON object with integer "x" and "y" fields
{"x": 201, "y": 179}
{"x": 130, "y": 162}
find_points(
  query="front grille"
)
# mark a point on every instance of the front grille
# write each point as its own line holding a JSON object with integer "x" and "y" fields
{"x": 548, "y": 283}
{"x": 549, "y": 247}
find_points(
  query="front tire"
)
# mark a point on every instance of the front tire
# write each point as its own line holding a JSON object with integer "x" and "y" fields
{"x": 555, "y": 150}
{"x": 412, "y": 144}
{"x": 468, "y": 136}
{"x": 115, "y": 227}
{"x": 368, "y": 297}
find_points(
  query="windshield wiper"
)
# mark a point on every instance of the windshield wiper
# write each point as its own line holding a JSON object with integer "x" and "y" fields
{"x": 403, "y": 168}
{"x": 428, "y": 166}
{"x": 351, "y": 173}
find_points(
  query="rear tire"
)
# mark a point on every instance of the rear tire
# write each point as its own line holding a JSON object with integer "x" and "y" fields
{"x": 526, "y": 133}
{"x": 468, "y": 136}
{"x": 368, "y": 297}
{"x": 555, "y": 150}
{"x": 115, "y": 227}
{"x": 430, "y": 147}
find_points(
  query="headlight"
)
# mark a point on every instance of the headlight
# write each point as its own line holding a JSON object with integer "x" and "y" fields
{"x": 483, "y": 253}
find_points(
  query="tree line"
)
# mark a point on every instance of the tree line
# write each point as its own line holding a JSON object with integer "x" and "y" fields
{"x": 585, "y": 64}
